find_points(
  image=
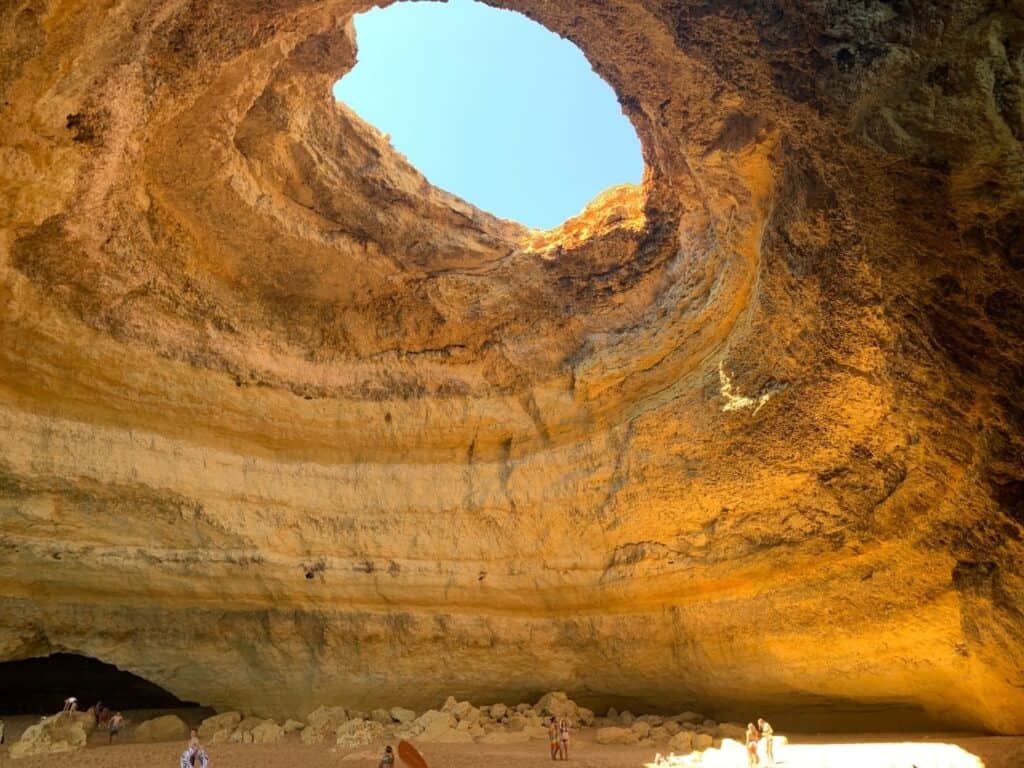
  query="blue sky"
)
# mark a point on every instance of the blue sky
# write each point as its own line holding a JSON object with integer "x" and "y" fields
{"x": 491, "y": 106}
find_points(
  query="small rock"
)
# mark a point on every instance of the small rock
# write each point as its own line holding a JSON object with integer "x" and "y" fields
{"x": 290, "y": 726}
{"x": 615, "y": 735}
{"x": 498, "y": 711}
{"x": 402, "y": 715}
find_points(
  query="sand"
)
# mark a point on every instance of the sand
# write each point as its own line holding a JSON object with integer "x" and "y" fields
{"x": 875, "y": 750}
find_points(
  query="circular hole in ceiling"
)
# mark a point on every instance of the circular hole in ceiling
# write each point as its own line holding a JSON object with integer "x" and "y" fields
{"x": 492, "y": 107}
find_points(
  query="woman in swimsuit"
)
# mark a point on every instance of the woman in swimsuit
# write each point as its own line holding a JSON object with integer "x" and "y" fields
{"x": 752, "y": 738}
{"x": 563, "y": 732}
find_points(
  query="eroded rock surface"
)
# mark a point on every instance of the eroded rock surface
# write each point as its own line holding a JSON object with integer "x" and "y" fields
{"x": 281, "y": 425}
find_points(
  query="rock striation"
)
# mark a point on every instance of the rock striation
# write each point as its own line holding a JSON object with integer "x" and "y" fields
{"x": 283, "y": 426}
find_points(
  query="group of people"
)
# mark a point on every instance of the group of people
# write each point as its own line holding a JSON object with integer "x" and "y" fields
{"x": 105, "y": 717}
{"x": 763, "y": 730}
{"x": 558, "y": 736}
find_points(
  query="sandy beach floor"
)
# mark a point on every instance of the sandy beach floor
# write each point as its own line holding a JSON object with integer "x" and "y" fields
{"x": 875, "y": 750}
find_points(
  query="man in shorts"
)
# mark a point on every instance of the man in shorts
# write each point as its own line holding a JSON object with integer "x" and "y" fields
{"x": 114, "y": 726}
{"x": 388, "y": 759}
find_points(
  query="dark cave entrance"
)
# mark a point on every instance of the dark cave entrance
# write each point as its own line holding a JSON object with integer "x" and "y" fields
{"x": 40, "y": 685}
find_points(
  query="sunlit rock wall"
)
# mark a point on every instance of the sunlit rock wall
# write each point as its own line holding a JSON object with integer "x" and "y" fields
{"x": 283, "y": 425}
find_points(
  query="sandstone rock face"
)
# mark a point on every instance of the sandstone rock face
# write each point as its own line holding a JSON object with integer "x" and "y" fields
{"x": 748, "y": 437}
{"x": 64, "y": 732}
{"x": 165, "y": 728}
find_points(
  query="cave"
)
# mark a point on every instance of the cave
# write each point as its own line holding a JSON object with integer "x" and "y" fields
{"x": 286, "y": 426}
{"x": 41, "y": 684}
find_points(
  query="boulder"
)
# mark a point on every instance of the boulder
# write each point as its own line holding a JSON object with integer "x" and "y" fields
{"x": 267, "y": 732}
{"x": 731, "y": 731}
{"x": 64, "y": 732}
{"x": 612, "y": 713}
{"x": 672, "y": 727}
{"x": 652, "y": 720}
{"x": 323, "y": 723}
{"x": 498, "y": 711}
{"x": 586, "y": 716}
{"x": 517, "y": 722}
{"x": 627, "y": 717}
{"x": 689, "y": 717}
{"x": 219, "y": 727}
{"x": 536, "y": 731}
{"x": 358, "y": 733}
{"x": 702, "y": 741}
{"x": 449, "y": 704}
{"x": 166, "y": 728}
{"x": 709, "y": 724}
{"x": 505, "y": 737}
{"x": 243, "y": 733}
{"x": 659, "y": 735}
{"x": 640, "y": 728}
{"x": 402, "y": 715}
{"x": 614, "y": 735}
{"x": 290, "y": 726}
{"x": 465, "y": 711}
{"x": 433, "y": 719}
{"x": 557, "y": 704}
{"x": 682, "y": 742}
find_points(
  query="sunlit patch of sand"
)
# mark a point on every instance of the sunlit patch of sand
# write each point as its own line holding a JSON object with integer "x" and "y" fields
{"x": 908, "y": 754}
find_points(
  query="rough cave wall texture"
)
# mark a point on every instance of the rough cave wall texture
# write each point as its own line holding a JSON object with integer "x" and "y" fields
{"x": 283, "y": 425}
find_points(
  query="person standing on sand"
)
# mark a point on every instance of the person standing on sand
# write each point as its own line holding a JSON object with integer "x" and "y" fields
{"x": 193, "y": 738}
{"x": 752, "y": 738}
{"x": 114, "y": 726}
{"x": 194, "y": 757}
{"x": 768, "y": 735}
{"x": 553, "y": 738}
{"x": 388, "y": 759}
{"x": 563, "y": 734}
{"x": 70, "y": 704}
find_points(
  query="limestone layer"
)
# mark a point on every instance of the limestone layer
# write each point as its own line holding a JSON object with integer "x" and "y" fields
{"x": 282, "y": 425}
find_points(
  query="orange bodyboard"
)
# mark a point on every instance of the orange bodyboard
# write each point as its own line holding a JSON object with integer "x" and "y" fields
{"x": 408, "y": 754}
